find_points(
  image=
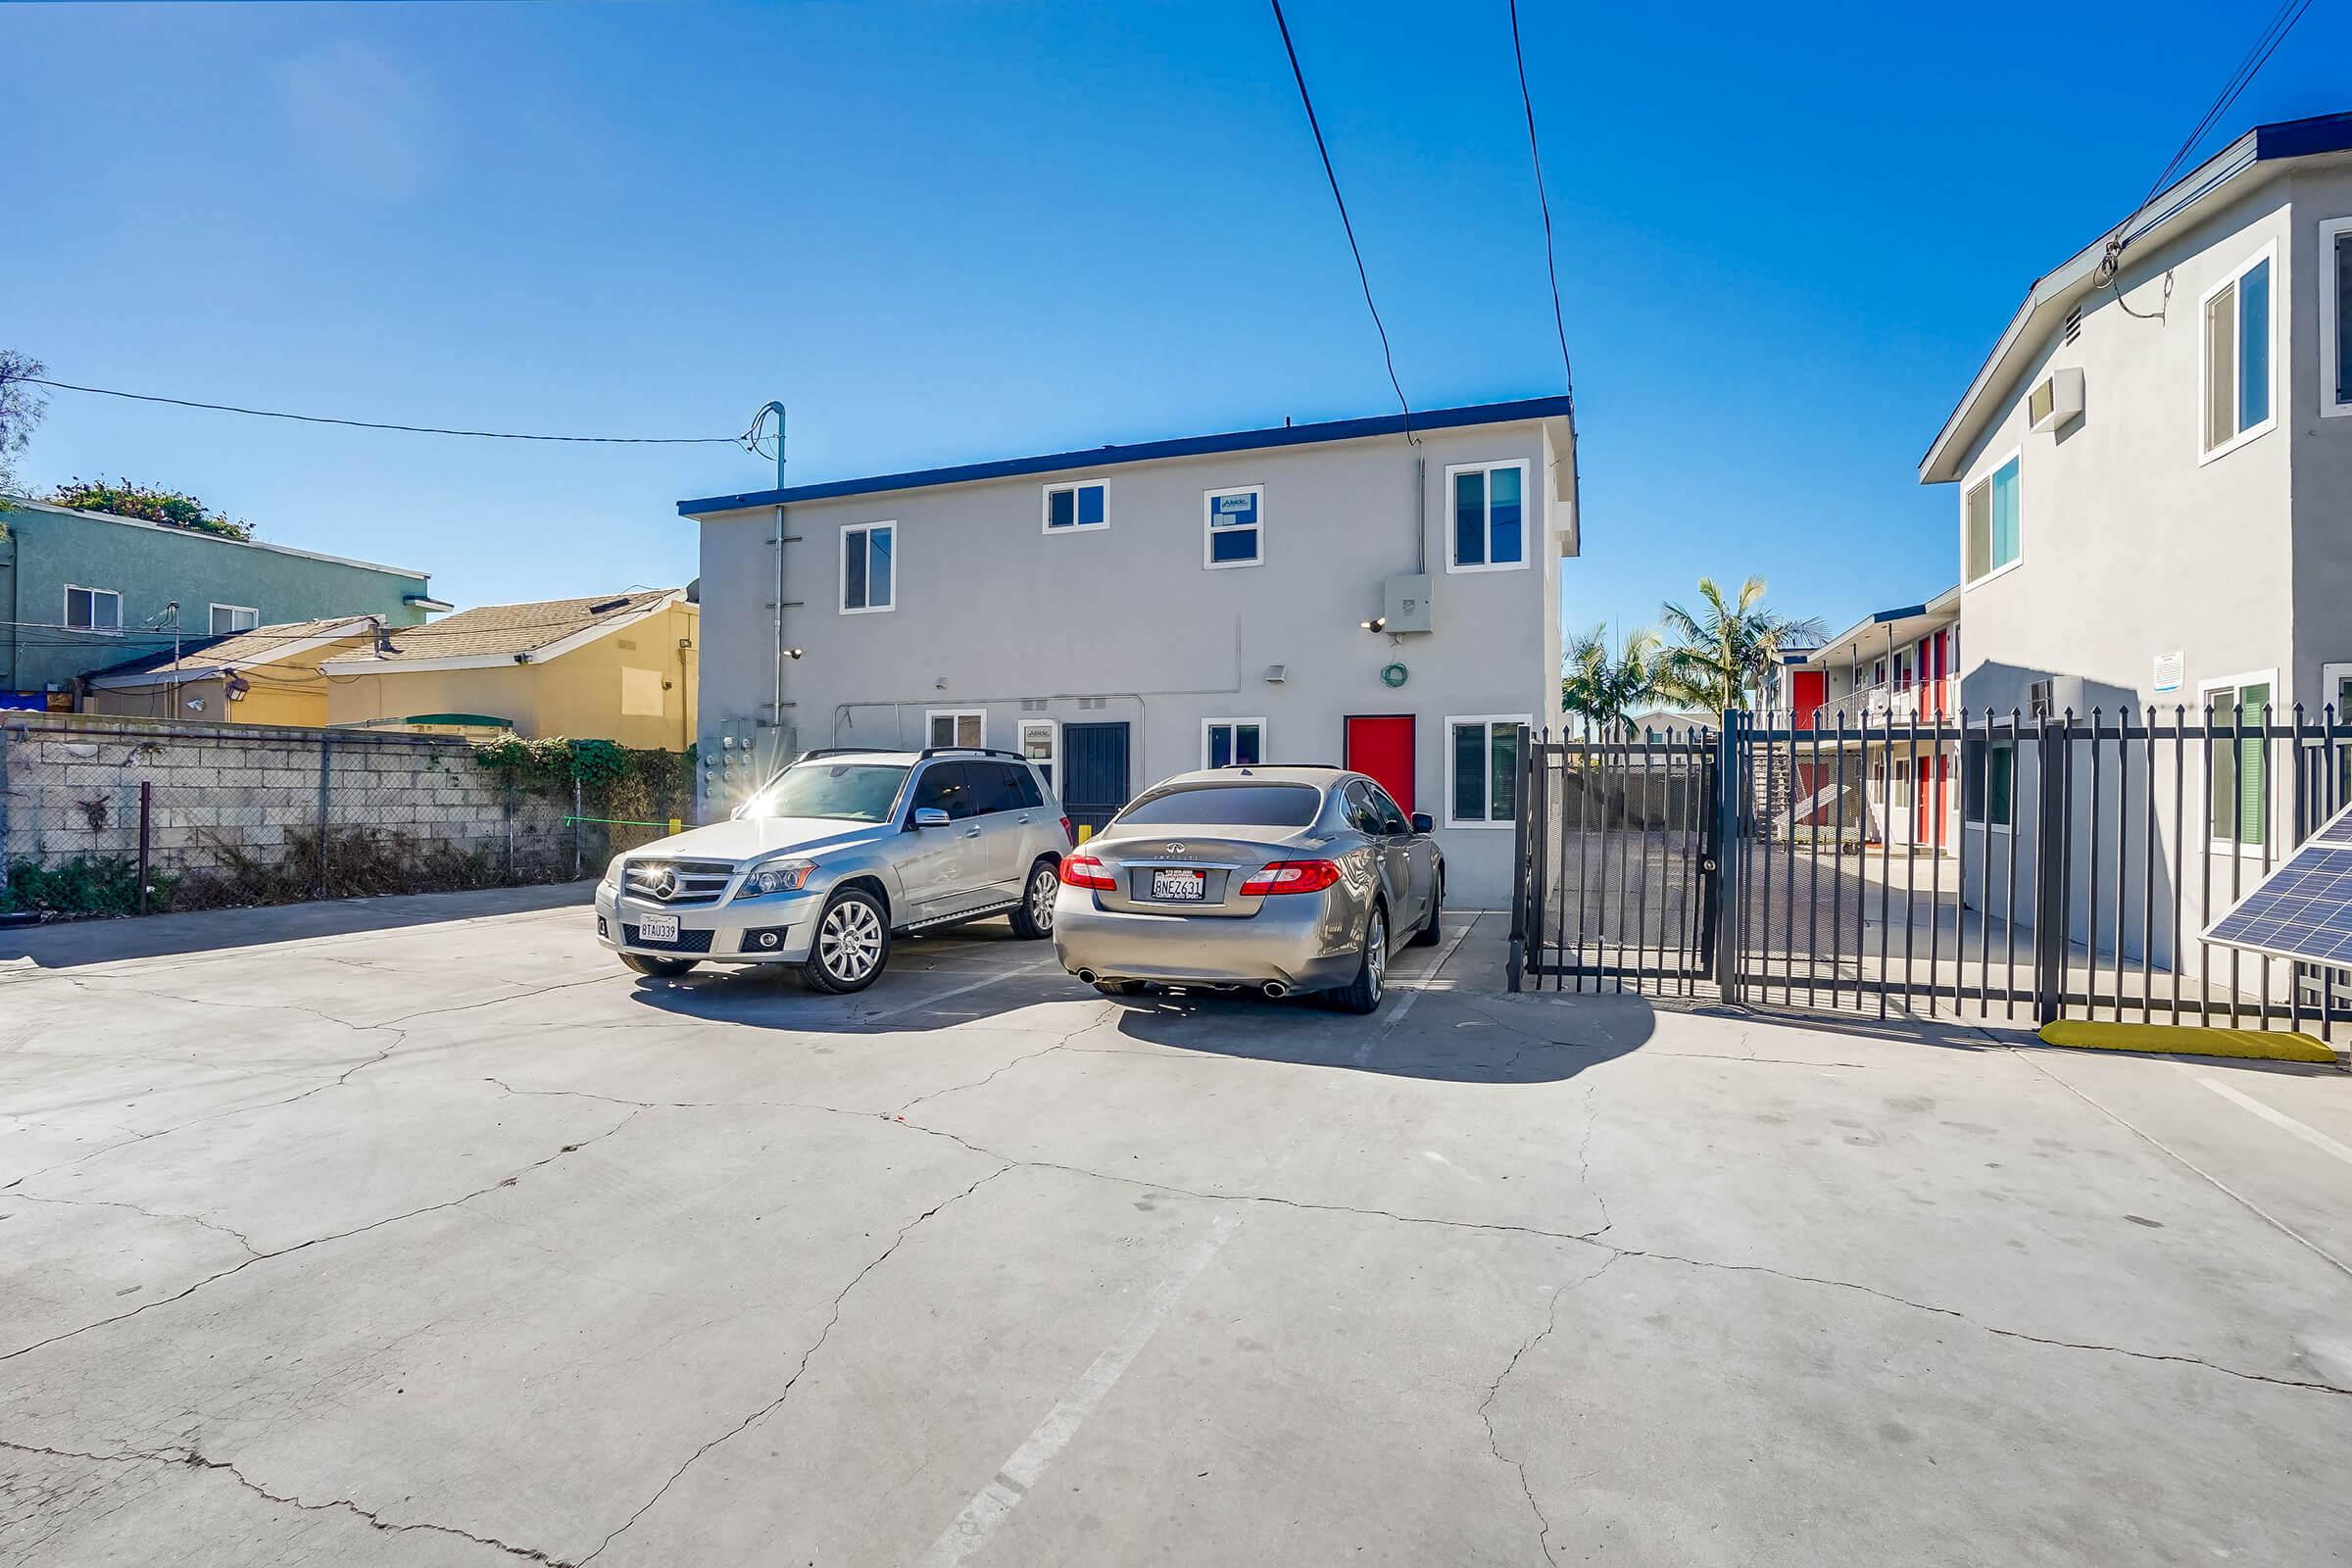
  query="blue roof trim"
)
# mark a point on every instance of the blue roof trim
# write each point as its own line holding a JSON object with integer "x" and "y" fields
{"x": 2300, "y": 138}
{"x": 1288, "y": 435}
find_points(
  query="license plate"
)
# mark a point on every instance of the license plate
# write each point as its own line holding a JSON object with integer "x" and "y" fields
{"x": 1181, "y": 887}
{"x": 658, "y": 928}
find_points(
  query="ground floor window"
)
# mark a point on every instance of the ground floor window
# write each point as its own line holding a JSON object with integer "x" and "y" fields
{"x": 1482, "y": 770}
{"x": 1232, "y": 742}
{"x": 1039, "y": 744}
{"x": 962, "y": 726}
{"x": 1988, "y": 782}
{"x": 2238, "y": 712}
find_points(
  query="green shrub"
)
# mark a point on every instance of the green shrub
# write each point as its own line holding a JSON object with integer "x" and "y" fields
{"x": 86, "y": 885}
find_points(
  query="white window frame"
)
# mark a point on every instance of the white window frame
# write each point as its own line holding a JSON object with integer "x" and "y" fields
{"x": 1208, "y": 529}
{"x": 1020, "y": 744}
{"x": 1045, "y": 507}
{"x": 1454, "y": 721}
{"x": 841, "y": 582}
{"x": 2269, "y": 253}
{"x": 1985, "y": 824}
{"x": 932, "y": 715}
{"x": 241, "y": 610}
{"x": 1527, "y": 507}
{"x": 2330, "y": 676}
{"x": 1209, "y": 727}
{"x": 1983, "y": 476}
{"x": 2332, "y": 231}
{"x": 65, "y": 610}
{"x": 2270, "y": 808}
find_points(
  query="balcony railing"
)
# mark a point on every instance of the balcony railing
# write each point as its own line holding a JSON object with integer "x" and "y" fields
{"x": 1885, "y": 702}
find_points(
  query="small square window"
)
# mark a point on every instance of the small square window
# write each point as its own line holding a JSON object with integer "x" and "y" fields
{"x": 1233, "y": 742}
{"x": 1070, "y": 508}
{"x": 868, "y": 567}
{"x": 1487, "y": 508}
{"x": 228, "y": 618}
{"x": 93, "y": 608}
{"x": 965, "y": 727}
{"x": 1482, "y": 766}
{"x": 1235, "y": 520}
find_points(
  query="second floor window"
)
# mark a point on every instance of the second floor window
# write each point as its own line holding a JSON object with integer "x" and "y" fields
{"x": 1487, "y": 509}
{"x": 2335, "y": 314}
{"x": 227, "y": 618}
{"x": 868, "y": 570}
{"x": 1234, "y": 528}
{"x": 2236, "y": 367}
{"x": 1992, "y": 521}
{"x": 1072, "y": 507}
{"x": 93, "y": 608}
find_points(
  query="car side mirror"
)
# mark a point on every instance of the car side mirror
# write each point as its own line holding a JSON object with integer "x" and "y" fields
{"x": 930, "y": 816}
{"x": 1422, "y": 822}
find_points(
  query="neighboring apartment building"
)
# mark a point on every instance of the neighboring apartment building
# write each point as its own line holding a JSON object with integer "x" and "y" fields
{"x": 1333, "y": 592}
{"x": 2152, "y": 475}
{"x": 617, "y": 667}
{"x": 268, "y": 675}
{"x": 80, "y": 590}
{"x": 1883, "y": 685}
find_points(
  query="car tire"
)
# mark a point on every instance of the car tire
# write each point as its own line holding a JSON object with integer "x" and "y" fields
{"x": 1362, "y": 993}
{"x": 1033, "y": 917}
{"x": 852, "y": 944}
{"x": 1427, "y": 936}
{"x": 658, "y": 968}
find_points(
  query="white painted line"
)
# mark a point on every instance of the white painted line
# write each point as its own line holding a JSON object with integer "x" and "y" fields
{"x": 2309, "y": 1135}
{"x": 989, "y": 1508}
{"x": 958, "y": 991}
{"x": 1396, "y": 1015}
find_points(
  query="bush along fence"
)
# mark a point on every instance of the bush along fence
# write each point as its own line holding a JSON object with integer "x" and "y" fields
{"x": 104, "y": 817}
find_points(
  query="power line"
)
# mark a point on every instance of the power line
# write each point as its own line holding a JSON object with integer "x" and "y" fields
{"x": 1551, "y": 260}
{"x": 1387, "y": 355}
{"x": 412, "y": 429}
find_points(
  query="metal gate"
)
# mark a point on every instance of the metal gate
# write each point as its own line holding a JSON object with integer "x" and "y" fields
{"x": 1888, "y": 854}
{"x": 1094, "y": 768}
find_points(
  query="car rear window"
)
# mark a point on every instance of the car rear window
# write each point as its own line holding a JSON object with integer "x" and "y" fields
{"x": 1234, "y": 804}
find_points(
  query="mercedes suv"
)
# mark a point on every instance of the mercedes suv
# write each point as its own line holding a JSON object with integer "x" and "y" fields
{"x": 835, "y": 857}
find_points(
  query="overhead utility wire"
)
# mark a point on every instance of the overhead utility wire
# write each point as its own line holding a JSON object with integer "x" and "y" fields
{"x": 2266, "y": 44}
{"x": 1551, "y": 263}
{"x": 412, "y": 429}
{"x": 1388, "y": 356}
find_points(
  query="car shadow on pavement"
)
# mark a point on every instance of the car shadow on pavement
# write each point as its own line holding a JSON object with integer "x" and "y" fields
{"x": 959, "y": 978}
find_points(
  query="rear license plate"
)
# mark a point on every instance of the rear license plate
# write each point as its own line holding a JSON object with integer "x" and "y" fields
{"x": 1179, "y": 887}
{"x": 658, "y": 928}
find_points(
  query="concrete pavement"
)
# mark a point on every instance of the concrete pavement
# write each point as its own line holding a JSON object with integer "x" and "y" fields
{"x": 425, "y": 1240}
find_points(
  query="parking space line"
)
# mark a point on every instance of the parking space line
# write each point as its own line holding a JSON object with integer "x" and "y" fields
{"x": 958, "y": 991}
{"x": 993, "y": 1503}
{"x": 2309, "y": 1135}
{"x": 1388, "y": 1027}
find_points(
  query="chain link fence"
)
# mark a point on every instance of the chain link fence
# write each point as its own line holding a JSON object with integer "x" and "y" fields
{"x": 115, "y": 816}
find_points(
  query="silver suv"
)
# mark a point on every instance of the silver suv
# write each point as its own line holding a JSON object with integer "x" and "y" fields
{"x": 836, "y": 856}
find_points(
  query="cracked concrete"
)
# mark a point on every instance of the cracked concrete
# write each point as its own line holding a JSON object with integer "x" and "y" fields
{"x": 449, "y": 1243}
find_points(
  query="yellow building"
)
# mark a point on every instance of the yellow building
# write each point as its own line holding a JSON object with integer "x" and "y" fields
{"x": 619, "y": 667}
{"x": 268, "y": 675}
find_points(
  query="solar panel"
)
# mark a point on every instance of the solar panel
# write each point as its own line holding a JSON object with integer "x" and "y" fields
{"x": 2303, "y": 909}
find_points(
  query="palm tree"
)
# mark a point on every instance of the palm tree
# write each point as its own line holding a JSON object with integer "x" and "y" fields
{"x": 1724, "y": 655}
{"x": 1602, "y": 690}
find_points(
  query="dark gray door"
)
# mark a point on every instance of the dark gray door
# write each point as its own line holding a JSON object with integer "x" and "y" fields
{"x": 1093, "y": 769}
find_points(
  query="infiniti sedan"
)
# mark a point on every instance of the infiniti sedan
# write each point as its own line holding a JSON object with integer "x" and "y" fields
{"x": 1265, "y": 878}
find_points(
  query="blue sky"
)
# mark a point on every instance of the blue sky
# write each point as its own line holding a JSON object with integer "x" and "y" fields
{"x": 950, "y": 233}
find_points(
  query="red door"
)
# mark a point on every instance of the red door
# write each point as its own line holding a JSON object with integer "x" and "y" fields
{"x": 1381, "y": 745}
{"x": 1807, "y": 692}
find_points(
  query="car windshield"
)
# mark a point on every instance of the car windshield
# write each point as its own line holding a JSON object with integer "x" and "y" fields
{"x": 1229, "y": 804}
{"x": 855, "y": 792}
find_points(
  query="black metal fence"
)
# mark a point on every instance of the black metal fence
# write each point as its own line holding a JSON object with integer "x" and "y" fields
{"x": 1988, "y": 865}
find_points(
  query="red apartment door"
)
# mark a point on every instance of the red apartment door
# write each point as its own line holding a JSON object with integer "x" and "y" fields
{"x": 1381, "y": 745}
{"x": 1807, "y": 692}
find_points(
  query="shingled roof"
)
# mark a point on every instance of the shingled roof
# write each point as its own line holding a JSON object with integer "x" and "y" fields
{"x": 201, "y": 656}
{"x": 509, "y": 631}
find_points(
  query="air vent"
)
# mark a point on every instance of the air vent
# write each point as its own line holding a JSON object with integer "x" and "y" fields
{"x": 1033, "y": 704}
{"x": 2074, "y": 324}
{"x": 1091, "y": 703}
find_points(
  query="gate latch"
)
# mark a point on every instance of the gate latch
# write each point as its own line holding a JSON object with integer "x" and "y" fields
{"x": 1706, "y": 863}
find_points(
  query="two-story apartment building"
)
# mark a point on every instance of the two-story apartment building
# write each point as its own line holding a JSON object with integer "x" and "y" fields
{"x": 82, "y": 591}
{"x": 1340, "y": 592}
{"x": 2152, "y": 489}
{"x": 1884, "y": 691}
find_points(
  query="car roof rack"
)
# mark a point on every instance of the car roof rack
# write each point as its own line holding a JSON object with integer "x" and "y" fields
{"x": 1331, "y": 768}
{"x": 930, "y": 752}
{"x": 835, "y": 751}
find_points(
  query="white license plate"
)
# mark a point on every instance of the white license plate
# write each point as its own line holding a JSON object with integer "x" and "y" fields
{"x": 1180, "y": 887}
{"x": 658, "y": 928}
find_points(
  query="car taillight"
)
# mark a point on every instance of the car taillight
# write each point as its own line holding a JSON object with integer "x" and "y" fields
{"x": 1067, "y": 831}
{"x": 1084, "y": 872}
{"x": 1291, "y": 876}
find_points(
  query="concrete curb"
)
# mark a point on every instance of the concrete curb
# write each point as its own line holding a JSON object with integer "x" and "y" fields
{"x": 2186, "y": 1039}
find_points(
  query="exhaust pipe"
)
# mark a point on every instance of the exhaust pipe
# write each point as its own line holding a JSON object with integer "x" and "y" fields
{"x": 1089, "y": 977}
{"x": 1275, "y": 991}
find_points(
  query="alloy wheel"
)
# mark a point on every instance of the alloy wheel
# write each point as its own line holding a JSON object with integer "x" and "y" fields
{"x": 850, "y": 940}
{"x": 1376, "y": 951}
{"x": 1041, "y": 885}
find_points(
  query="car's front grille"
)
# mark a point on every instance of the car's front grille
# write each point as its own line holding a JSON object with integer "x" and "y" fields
{"x": 687, "y": 941}
{"x": 688, "y": 882}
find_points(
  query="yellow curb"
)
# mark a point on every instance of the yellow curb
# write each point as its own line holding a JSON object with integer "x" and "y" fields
{"x": 2186, "y": 1039}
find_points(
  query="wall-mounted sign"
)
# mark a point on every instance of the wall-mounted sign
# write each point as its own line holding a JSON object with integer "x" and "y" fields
{"x": 1392, "y": 675}
{"x": 2170, "y": 668}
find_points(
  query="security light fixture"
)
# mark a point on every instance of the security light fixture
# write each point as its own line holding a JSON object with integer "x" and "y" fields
{"x": 789, "y": 653}
{"x": 1376, "y": 623}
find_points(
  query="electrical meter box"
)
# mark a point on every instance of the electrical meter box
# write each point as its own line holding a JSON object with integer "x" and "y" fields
{"x": 1404, "y": 602}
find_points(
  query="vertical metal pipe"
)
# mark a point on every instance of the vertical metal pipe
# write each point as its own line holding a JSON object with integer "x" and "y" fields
{"x": 146, "y": 835}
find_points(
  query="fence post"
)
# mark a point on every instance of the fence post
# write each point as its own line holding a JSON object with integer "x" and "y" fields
{"x": 5, "y": 841}
{"x": 2053, "y": 828}
{"x": 575, "y": 826}
{"x": 146, "y": 835}
{"x": 1722, "y": 907}
{"x": 1515, "y": 963}
{"x": 325, "y": 793}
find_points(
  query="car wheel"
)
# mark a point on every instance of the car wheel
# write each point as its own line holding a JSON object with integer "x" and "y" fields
{"x": 1362, "y": 993}
{"x": 657, "y": 969}
{"x": 1427, "y": 936}
{"x": 852, "y": 943}
{"x": 1035, "y": 916}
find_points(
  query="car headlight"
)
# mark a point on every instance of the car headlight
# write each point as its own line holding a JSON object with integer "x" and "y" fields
{"x": 779, "y": 876}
